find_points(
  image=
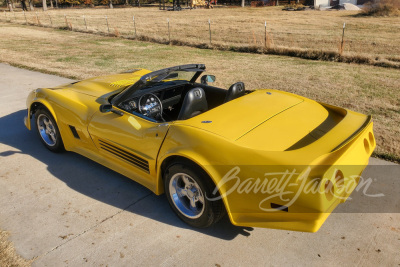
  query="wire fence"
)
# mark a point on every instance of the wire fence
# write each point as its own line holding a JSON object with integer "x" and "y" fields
{"x": 244, "y": 32}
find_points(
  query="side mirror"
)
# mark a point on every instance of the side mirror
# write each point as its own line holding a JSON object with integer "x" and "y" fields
{"x": 205, "y": 79}
{"x": 109, "y": 108}
{"x": 105, "y": 108}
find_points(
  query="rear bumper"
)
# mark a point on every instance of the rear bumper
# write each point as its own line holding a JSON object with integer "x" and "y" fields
{"x": 310, "y": 209}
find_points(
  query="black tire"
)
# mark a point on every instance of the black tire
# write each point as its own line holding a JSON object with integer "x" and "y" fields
{"x": 53, "y": 144}
{"x": 212, "y": 211}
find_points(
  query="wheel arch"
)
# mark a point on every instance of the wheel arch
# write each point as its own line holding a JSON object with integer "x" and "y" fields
{"x": 176, "y": 158}
{"x": 190, "y": 160}
{"x": 41, "y": 104}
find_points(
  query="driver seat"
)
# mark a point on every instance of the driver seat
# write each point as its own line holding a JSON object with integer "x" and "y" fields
{"x": 236, "y": 90}
{"x": 194, "y": 103}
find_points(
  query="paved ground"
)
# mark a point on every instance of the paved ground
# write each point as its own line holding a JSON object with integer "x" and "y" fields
{"x": 64, "y": 209}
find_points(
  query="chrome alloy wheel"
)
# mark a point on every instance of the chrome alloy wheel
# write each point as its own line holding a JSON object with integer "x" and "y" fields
{"x": 47, "y": 130}
{"x": 186, "y": 195}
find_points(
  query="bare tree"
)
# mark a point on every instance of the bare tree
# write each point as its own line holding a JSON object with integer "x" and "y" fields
{"x": 31, "y": 5}
{"x": 56, "y": 3}
{"x": 51, "y": 4}
{"x": 44, "y": 5}
{"x": 111, "y": 5}
{"x": 243, "y": 3}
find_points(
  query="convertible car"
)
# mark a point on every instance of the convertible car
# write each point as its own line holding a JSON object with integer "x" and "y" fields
{"x": 266, "y": 158}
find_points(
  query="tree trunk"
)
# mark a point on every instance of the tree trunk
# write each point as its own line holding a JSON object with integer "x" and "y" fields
{"x": 56, "y": 3}
{"x": 243, "y": 3}
{"x": 51, "y": 4}
{"x": 44, "y": 5}
{"x": 23, "y": 5}
{"x": 31, "y": 5}
{"x": 10, "y": 6}
{"x": 126, "y": 2}
{"x": 111, "y": 5}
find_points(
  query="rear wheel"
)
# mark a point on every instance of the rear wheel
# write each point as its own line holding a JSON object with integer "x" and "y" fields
{"x": 187, "y": 188}
{"x": 48, "y": 131}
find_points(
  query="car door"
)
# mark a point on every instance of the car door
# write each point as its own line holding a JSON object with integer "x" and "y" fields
{"x": 128, "y": 142}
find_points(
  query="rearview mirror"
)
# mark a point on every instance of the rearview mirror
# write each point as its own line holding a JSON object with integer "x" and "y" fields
{"x": 205, "y": 79}
{"x": 172, "y": 75}
{"x": 105, "y": 108}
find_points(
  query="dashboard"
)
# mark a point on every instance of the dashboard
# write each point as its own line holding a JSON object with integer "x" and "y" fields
{"x": 152, "y": 101}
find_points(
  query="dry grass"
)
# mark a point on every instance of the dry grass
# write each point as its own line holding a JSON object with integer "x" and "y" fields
{"x": 8, "y": 256}
{"x": 367, "y": 89}
{"x": 312, "y": 32}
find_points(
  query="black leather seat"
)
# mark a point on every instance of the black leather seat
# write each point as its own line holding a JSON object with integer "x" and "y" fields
{"x": 194, "y": 103}
{"x": 236, "y": 90}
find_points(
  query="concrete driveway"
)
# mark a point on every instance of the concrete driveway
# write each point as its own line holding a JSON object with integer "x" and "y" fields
{"x": 65, "y": 210}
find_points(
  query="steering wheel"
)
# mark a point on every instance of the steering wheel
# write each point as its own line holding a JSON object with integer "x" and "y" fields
{"x": 150, "y": 106}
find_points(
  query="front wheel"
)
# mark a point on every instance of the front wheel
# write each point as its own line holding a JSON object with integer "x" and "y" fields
{"x": 188, "y": 188}
{"x": 48, "y": 131}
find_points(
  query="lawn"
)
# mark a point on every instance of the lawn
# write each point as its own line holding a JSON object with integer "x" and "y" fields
{"x": 367, "y": 89}
{"x": 373, "y": 37}
{"x": 8, "y": 255}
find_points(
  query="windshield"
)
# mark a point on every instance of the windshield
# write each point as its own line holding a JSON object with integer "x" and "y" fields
{"x": 173, "y": 76}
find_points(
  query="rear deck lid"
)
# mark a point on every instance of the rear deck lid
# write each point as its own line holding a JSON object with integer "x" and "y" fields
{"x": 236, "y": 118}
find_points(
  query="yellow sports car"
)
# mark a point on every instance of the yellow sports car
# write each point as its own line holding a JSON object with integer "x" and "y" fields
{"x": 267, "y": 158}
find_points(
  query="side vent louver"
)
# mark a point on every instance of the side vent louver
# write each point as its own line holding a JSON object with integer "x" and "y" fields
{"x": 125, "y": 155}
{"x": 74, "y": 132}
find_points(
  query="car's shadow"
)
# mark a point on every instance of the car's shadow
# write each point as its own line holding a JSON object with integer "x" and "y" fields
{"x": 98, "y": 182}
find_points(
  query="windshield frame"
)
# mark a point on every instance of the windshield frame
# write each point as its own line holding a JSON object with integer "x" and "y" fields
{"x": 146, "y": 79}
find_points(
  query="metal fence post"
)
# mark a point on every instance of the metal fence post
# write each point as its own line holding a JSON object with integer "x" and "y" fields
{"x": 108, "y": 28}
{"x": 169, "y": 33}
{"x": 134, "y": 25}
{"x": 209, "y": 28}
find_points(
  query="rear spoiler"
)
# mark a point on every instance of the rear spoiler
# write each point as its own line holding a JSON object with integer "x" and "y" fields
{"x": 363, "y": 126}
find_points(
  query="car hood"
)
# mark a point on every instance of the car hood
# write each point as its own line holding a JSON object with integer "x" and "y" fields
{"x": 268, "y": 119}
{"x": 99, "y": 86}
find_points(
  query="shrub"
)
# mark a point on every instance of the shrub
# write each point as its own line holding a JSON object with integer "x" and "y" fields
{"x": 382, "y": 8}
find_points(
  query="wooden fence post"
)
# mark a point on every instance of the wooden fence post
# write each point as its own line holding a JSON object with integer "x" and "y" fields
{"x": 342, "y": 44}
{"x": 66, "y": 21}
{"x": 37, "y": 18}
